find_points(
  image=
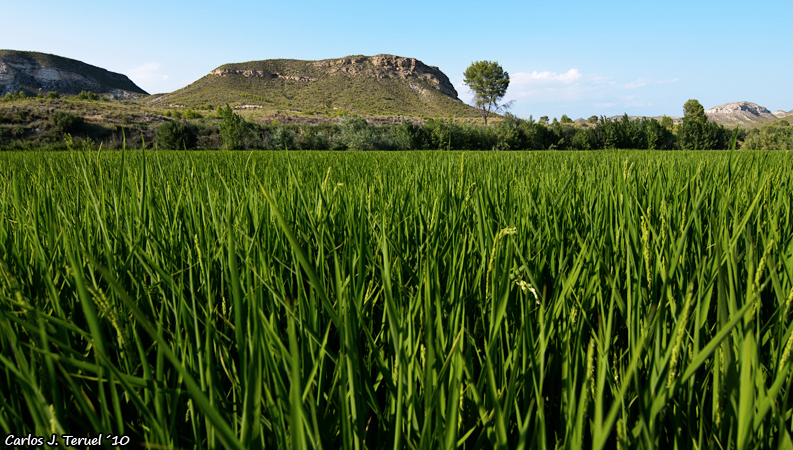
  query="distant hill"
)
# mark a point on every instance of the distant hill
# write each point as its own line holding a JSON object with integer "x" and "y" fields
{"x": 381, "y": 85}
{"x": 732, "y": 114}
{"x": 739, "y": 113}
{"x": 780, "y": 114}
{"x": 36, "y": 73}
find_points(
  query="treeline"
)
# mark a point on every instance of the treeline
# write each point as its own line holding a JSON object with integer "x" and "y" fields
{"x": 224, "y": 128}
{"x": 512, "y": 133}
{"x": 776, "y": 136}
{"x": 22, "y": 95}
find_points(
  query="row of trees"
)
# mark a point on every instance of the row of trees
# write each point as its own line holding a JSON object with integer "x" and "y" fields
{"x": 22, "y": 95}
{"x": 489, "y": 82}
{"x": 777, "y": 136}
{"x": 512, "y": 133}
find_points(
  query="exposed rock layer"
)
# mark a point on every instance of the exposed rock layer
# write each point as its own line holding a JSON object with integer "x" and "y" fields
{"x": 379, "y": 66}
{"x": 35, "y": 73}
{"x": 738, "y": 113}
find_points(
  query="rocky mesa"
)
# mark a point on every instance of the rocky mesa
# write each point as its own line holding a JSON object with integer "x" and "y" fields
{"x": 34, "y": 73}
{"x": 382, "y": 85}
{"x": 378, "y": 66}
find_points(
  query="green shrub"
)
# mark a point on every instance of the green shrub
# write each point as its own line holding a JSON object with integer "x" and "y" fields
{"x": 18, "y": 95}
{"x": 86, "y": 95}
{"x": 176, "y": 136}
{"x": 190, "y": 114}
{"x": 356, "y": 133}
{"x": 67, "y": 123}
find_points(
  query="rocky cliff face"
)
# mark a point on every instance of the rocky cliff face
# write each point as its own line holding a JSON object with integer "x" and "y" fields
{"x": 390, "y": 66}
{"x": 258, "y": 74}
{"x": 41, "y": 73}
{"x": 738, "y": 113}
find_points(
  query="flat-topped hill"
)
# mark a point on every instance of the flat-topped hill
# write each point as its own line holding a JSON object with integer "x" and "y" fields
{"x": 381, "y": 85}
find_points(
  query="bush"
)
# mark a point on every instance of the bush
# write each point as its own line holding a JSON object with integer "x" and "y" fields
{"x": 408, "y": 136}
{"x": 356, "y": 133}
{"x": 176, "y": 136}
{"x": 18, "y": 95}
{"x": 85, "y": 95}
{"x": 190, "y": 114}
{"x": 67, "y": 123}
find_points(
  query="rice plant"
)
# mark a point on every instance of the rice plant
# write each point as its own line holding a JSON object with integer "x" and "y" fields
{"x": 608, "y": 299}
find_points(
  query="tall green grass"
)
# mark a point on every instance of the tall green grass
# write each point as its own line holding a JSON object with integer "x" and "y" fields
{"x": 406, "y": 300}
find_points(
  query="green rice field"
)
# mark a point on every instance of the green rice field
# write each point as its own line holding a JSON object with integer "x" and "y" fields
{"x": 610, "y": 299}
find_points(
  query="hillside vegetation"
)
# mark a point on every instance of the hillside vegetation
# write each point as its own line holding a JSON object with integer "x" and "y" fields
{"x": 382, "y": 85}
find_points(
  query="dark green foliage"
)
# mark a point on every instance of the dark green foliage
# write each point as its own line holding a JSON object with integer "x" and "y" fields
{"x": 281, "y": 138}
{"x": 489, "y": 82}
{"x": 18, "y": 95}
{"x": 777, "y": 136}
{"x": 64, "y": 122}
{"x": 563, "y": 136}
{"x": 233, "y": 129}
{"x": 586, "y": 139}
{"x": 86, "y": 95}
{"x": 357, "y": 134}
{"x": 702, "y": 135}
{"x": 177, "y": 136}
{"x": 314, "y": 137}
{"x": 408, "y": 136}
{"x": 190, "y": 114}
{"x": 698, "y": 133}
{"x": 693, "y": 110}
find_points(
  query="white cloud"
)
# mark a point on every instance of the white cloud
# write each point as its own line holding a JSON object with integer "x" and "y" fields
{"x": 567, "y": 86}
{"x": 546, "y": 77}
{"x": 641, "y": 82}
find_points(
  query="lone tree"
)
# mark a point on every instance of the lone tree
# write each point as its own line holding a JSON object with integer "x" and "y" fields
{"x": 697, "y": 132}
{"x": 489, "y": 83}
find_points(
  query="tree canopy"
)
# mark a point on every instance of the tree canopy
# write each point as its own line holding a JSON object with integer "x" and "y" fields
{"x": 489, "y": 83}
{"x": 693, "y": 110}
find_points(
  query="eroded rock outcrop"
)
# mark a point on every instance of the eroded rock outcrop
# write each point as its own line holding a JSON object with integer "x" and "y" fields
{"x": 739, "y": 112}
{"x": 34, "y": 73}
{"x": 378, "y": 66}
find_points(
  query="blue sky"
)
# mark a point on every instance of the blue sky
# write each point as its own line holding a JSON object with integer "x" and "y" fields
{"x": 574, "y": 58}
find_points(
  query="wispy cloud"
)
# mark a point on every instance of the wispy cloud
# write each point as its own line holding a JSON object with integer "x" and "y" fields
{"x": 642, "y": 82}
{"x": 546, "y": 78}
{"x": 574, "y": 87}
